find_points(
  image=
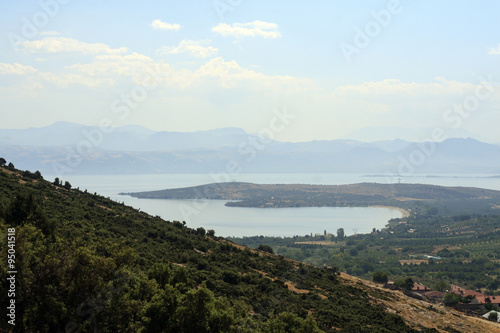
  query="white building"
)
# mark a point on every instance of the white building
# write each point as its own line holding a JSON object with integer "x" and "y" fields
{"x": 487, "y": 315}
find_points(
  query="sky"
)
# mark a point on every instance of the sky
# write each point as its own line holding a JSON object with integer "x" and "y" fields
{"x": 291, "y": 70}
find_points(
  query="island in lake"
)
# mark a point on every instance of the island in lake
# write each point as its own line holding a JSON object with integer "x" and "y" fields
{"x": 402, "y": 196}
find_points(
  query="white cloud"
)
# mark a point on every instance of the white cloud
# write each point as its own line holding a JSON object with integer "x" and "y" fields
{"x": 250, "y": 29}
{"x": 194, "y": 48}
{"x": 129, "y": 57}
{"x": 159, "y": 25}
{"x": 16, "y": 68}
{"x": 68, "y": 45}
{"x": 397, "y": 87}
{"x": 216, "y": 73}
{"x": 230, "y": 74}
{"x": 134, "y": 66}
{"x": 64, "y": 80}
{"x": 495, "y": 50}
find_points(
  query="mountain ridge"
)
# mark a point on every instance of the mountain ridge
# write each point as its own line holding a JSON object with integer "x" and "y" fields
{"x": 136, "y": 150}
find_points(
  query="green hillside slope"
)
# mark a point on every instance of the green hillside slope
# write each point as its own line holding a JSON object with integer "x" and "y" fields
{"x": 84, "y": 263}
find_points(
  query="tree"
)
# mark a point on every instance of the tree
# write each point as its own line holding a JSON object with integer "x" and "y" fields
{"x": 290, "y": 322}
{"x": 380, "y": 277}
{"x": 211, "y": 233}
{"x": 494, "y": 284}
{"x": 444, "y": 253}
{"x": 441, "y": 286}
{"x": 2, "y": 161}
{"x": 265, "y": 248}
{"x": 67, "y": 185}
{"x": 493, "y": 316}
{"x": 11, "y": 167}
{"x": 24, "y": 208}
{"x": 409, "y": 283}
{"x": 404, "y": 283}
{"x": 399, "y": 282}
{"x": 57, "y": 182}
{"x": 451, "y": 299}
{"x": 340, "y": 234}
{"x": 200, "y": 231}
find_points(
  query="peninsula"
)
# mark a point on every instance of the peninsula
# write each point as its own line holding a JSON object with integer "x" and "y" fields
{"x": 403, "y": 196}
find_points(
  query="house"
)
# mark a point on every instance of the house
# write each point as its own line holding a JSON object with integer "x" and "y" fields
{"x": 434, "y": 296}
{"x": 419, "y": 287}
{"x": 432, "y": 257}
{"x": 487, "y": 315}
{"x": 464, "y": 292}
{"x": 485, "y": 299}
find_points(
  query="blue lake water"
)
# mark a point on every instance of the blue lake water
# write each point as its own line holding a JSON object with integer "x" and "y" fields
{"x": 236, "y": 221}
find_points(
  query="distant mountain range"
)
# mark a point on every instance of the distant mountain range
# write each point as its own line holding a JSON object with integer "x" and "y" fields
{"x": 371, "y": 134}
{"x": 64, "y": 148}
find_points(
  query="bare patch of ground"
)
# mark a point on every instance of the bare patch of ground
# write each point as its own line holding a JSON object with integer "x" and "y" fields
{"x": 404, "y": 213}
{"x": 318, "y": 243}
{"x": 416, "y": 312}
{"x": 414, "y": 261}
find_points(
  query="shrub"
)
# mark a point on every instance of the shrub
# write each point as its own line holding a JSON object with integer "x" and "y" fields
{"x": 451, "y": 299}
{"x": 380, "y": 277}
{"x": 265, "y": 248}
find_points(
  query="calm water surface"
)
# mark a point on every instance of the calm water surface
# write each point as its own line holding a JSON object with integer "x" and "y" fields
{"x": 236, "y": 221}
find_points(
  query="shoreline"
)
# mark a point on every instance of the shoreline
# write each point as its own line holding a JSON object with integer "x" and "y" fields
{"x": 404, "y": 213}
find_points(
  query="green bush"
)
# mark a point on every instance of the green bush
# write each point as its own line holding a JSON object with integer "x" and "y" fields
{"x": 265, "y": 248}
{"x": 380, "y": 277}
{"x": 451, "y": 299}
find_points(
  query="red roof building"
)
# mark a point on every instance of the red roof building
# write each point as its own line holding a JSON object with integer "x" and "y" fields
{"x": 485, "y": 299}
{"x": 464, "y": 292}
{"x": 419, "y": 287}
{"x": 434, "y": 296}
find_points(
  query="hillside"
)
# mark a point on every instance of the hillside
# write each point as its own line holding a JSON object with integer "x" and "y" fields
{"x": 85, "y": 262}
{"x": 419, "y": 313}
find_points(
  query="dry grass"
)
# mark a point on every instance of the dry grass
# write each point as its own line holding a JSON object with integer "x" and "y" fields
{"x": 417, "y": 313}
{"x": 414, "y": 312}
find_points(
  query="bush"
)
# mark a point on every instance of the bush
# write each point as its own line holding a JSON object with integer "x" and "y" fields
{"x": 200, "y": 231}
{"x": 380, "y": 277}
{"x": 441, "y": 286}
{"x": 404, "y": 283}
{"x": 265, "y": 248}
{"x": 493, "y": 316}
{"x": 451, "y": 299}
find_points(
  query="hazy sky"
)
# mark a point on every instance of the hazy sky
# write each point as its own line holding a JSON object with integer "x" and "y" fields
{"x": 300, "y": 70}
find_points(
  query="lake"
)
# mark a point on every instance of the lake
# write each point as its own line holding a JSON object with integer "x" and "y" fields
{"x": 237, "y": 221}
